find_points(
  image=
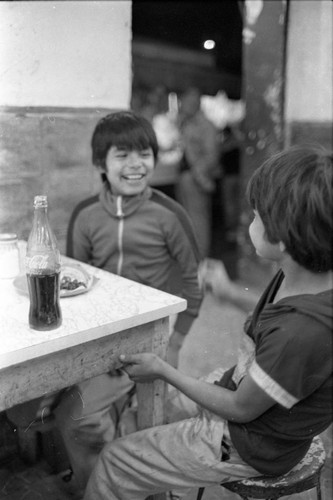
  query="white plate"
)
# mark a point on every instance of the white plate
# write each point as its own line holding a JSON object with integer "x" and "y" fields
{"x": 72, "y": 271}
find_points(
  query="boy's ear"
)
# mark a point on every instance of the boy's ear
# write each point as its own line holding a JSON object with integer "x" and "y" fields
{"x": 282, "y": 247}
{"x": 100, "y": 169}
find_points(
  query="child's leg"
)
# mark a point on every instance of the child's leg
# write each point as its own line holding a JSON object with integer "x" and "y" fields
{"x": 177, "y": 406}
{"x": 86, "y": 421}
{"x": 178, "y": 456}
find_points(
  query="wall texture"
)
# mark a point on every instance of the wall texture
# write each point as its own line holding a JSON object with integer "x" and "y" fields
{"x": 63, "y": 65}
{"x": 45, "y": 152}
{"x": 264, "y": 39}
{"x": 308, "y": 87}
{"x": 75, "y": 54}
{"x": 287, "y": 75}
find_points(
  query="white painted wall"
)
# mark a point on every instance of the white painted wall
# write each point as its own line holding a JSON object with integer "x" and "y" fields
{"x": 67, "y": 53}
{"x": 309, "y": 61}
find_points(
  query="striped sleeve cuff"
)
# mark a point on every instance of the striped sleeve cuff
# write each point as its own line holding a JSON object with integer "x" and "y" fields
{"x": 272, "y": 388}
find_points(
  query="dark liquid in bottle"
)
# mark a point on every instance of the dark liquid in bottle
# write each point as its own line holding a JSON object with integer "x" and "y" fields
{"x": 45, "y": 312}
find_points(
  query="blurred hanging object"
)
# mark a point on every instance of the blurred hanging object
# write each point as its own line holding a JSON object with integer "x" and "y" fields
{"x": 252, "y": 10}
{"x": 173, "y": 104}
{"x": 222, "y": 111}
{"x": 168, "y": 137}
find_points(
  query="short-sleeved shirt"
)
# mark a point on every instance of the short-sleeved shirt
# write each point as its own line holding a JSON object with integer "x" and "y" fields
{"x": 293, "y": 365}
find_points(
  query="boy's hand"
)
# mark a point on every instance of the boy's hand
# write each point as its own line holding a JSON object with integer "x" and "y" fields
{"x": 175, "y": 343}
{"x": 213, "y": 277}
{"x": 144, "y": 367}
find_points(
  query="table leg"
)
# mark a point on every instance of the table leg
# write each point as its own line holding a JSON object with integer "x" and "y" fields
{"x": 151, "y": 396}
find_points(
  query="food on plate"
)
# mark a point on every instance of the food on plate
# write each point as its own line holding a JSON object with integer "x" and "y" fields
{"x": 67, "y": 283}
{"x": 72, "y": 278}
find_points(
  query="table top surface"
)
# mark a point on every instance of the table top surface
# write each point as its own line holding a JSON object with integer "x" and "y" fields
{"x": 112, "y": 301}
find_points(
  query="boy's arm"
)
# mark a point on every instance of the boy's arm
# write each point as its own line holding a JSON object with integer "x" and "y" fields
{"x": 213, "y": 277}
{"x": 183, "y": 248}
{"x": 78, "y": 244}
{"x": 243, "y": 405}
{"x": 182, "y": 245}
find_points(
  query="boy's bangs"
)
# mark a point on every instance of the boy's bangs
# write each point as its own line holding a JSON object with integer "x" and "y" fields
{"x": 122, "y": 130}
{"x": 137, "y": 139}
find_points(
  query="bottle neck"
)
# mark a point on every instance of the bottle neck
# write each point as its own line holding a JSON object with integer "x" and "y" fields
{"x": 40, "y": 213}
{"x": 42, "y": 255}
{"x": 41, "y": 226}
{"x": 41, "y": 235}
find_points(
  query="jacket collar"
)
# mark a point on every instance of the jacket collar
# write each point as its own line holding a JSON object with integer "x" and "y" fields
{"x": 122, "y": 206}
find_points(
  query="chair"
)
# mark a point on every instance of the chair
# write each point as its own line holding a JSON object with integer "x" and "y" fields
{"x": 304, "y": 476}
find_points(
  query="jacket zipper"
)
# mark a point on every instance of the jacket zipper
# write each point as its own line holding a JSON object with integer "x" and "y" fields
{"x": 120, "y": 215}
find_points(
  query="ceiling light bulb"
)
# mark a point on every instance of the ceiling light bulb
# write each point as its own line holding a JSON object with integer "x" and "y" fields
{"x": 209, "y": 44}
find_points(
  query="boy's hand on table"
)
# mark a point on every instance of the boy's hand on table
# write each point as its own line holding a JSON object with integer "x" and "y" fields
{"x": 144, "y": 367}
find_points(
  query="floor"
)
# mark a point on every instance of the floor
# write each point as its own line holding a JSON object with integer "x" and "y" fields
{"x": 212, "y": 341}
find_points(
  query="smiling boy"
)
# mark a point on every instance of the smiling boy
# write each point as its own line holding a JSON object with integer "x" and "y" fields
{"x": 136, "y": 232}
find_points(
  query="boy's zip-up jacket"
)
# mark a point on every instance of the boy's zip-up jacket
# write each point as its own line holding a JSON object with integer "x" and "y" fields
{"x": 140, "y": 238}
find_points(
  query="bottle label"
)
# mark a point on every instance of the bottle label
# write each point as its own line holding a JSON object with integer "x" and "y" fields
{"x": 37, "y": 262}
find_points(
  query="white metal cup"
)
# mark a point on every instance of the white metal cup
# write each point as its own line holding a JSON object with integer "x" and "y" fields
{"x": 9, "y": 255}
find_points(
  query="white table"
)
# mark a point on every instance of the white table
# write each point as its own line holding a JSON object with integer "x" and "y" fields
{"x": 115, "y": 316}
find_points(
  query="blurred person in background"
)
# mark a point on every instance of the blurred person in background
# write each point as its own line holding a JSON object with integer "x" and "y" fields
{"x": 230, "y": 155}
{"x": 199, "y": 166}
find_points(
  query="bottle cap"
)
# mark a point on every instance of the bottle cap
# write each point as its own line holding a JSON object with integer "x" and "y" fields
{"x": 40, "y": 201}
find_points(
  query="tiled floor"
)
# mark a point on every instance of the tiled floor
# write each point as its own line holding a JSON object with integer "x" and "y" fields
{"x": 212, "y": 341}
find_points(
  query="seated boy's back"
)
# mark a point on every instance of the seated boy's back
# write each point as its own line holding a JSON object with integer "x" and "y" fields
{"x": 285, "y": 365}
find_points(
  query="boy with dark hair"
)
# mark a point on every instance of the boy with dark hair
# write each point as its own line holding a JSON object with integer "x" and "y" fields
{"x": 261, "y": 415}
{"x": 136, "y": 232}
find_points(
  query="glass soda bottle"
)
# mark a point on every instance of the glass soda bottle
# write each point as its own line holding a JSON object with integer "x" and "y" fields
{"x": 43, "y": 271}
